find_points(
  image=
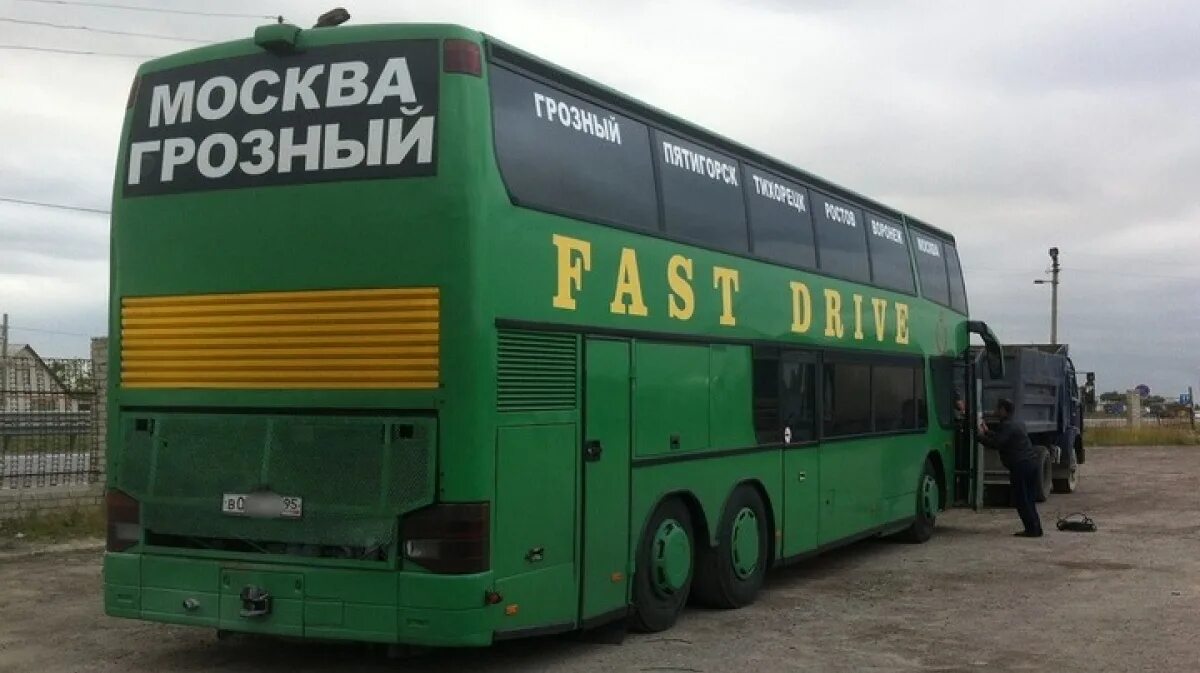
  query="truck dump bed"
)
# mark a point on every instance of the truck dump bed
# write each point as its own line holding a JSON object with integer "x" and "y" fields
{"x": 1033, "y": 377}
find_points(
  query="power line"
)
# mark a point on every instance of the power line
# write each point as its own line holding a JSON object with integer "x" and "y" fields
{"x": 160, "y": 10}
{"x": 89, "y": 29}
{"x": 47, "y": 331}
{"x": 18, "y": 47}
{"x": 60, "y": 206}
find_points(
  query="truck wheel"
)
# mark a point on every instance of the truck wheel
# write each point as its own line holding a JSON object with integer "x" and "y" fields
{"x": 1069, "y": 483}
{"x": 1045, "y": 475}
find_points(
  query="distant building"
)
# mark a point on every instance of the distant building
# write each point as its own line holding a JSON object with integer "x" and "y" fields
{"x": 28, "y": 384}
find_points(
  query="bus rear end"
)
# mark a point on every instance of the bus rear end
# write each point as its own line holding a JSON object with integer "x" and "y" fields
{"x": 290, "y": 243}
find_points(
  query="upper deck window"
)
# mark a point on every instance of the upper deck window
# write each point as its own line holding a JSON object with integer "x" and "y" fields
{"x": 891, "y": 266}
{"x": 560, "y": 153}
{"x": 958, "y": 289}
{"x": 841, "y": 241}
{"x": 701, "y": 193}
{"x": 780, "y": 219}
{"x": 931, "y": 268}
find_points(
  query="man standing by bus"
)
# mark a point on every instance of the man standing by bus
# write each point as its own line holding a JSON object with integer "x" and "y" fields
{"x": 1008, "y": 437}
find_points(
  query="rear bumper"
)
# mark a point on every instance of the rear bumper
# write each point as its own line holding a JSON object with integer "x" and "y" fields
{"x": 306, "y": 602}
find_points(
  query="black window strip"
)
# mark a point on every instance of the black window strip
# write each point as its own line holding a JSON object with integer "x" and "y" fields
{"x": 573, "y": 85}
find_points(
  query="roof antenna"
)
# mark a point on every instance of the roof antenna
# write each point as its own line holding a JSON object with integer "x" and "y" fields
{"x": 334, "y": 17}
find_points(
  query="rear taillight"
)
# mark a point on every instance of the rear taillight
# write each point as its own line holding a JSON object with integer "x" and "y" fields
{"x": 450, "y": 538}
{"x": 124, "y": 521}
{"x": 462, "y": 56}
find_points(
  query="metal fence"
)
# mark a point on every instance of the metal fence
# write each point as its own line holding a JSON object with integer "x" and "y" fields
{"x": 50, "y": 430}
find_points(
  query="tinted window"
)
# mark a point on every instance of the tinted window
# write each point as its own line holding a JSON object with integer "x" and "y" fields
{"x": 560, "y": 153}
{"x": 891, "y": 266}
{"x": 958, "y": 290}
{"x": 767, "y": 428}
{"x": 798, "y": 398}
{"x": 931, "y": 267}
{"x": 892, "y": 390}
{"x": 841, "y": 244}
{"x": 945, "y": 375}
{"x": 780, "y": 219}
{"x": 701, "y": 193}
{"x": 922, "y": 405}
{"x": 847, "y": 399}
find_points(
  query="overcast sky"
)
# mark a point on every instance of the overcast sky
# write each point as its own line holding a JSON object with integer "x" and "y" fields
{"x": 1017, "y": 126}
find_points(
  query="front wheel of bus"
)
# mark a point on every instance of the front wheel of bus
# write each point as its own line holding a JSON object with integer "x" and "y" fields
{"x": 730, "y": 574}
{"x": 928, "y": 504}
{"x": 664, "y": 571}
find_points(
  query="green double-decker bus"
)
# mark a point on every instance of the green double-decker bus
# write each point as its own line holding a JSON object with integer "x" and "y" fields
{"x": 420, "y": 339}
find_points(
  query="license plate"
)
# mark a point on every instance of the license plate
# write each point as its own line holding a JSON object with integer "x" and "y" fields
{"x": 262, "y": 505}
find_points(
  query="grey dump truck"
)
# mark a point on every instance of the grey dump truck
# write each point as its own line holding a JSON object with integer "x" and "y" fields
{"x": 1040, "y": 381}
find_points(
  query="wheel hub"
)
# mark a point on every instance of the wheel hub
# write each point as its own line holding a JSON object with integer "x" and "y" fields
{"x": 672, "y": 557}
{"x": 930, "y": 499}
{"x": 745, "y": 543}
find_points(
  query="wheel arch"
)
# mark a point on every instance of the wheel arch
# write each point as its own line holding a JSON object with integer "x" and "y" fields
{"x": 701, "y": 530}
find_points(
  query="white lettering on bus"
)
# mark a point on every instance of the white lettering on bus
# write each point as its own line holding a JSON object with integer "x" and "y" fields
{"x": 577, "y": 118}
{"x": 929, "y": 247}
{"x": 259, "y": 92}
{"x": 885, "y": 230}
{"x": 701, "y": 164}
{"x": 169, "y": 109}
{"x": 779, "y": 192}
{"x": 388, "y": 141}
{"x": 840, "y": 214}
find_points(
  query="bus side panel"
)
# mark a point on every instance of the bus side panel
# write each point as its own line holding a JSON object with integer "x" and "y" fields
{"x": 535, "y": 555}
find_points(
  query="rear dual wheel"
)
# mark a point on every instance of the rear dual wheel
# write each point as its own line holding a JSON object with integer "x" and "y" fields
{"x": 730, "y": 574}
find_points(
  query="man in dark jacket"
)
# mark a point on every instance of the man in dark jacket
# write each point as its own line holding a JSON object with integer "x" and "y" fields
{"x": 1008, "y": 437}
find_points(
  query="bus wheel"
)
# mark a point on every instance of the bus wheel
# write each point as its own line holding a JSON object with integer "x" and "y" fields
{"x": 664, "y": 572}
{"x": 730, "y": 574}
{"x": 1045, "y": 474}
{"x": 928, "y": 504}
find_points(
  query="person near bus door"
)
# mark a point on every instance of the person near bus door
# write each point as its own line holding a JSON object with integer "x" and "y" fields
{"x": 1007, "y": 435}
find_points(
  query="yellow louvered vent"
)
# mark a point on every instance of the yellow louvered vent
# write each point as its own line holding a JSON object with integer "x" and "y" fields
{"x": 315, "y": 339}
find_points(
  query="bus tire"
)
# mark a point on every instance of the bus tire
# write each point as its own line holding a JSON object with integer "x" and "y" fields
{"x": 729, "y": 574}
{"x": 664, "y": 569}
{"x": 1045, "y": 475}
{"x": 927, "y": 506}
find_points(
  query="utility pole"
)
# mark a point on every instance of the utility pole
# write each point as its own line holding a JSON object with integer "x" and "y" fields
{"x": 1054, "y": 269}
{"x": 3, "y": 363}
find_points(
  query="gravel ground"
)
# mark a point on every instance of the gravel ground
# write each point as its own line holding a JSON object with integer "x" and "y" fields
{"x": 973, "y": 599}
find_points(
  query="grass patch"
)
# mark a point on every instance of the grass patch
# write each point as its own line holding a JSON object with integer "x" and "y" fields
{"x": 1146, "y": 435}
{"x": 32, "y": 445}
{"x": 55, "y": 526}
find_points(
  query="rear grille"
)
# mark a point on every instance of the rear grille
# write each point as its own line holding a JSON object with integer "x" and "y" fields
{"x": 536, "y": 371}
{"x": 352, "y": 339}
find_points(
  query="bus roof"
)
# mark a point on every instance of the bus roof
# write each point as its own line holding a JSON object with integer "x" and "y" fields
{"x": 500, "y": 51}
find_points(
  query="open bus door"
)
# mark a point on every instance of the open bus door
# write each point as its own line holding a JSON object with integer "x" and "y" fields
{"x": 976, "y": 363}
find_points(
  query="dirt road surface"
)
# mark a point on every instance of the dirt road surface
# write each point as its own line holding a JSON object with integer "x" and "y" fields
{"x": 974, "y": 599}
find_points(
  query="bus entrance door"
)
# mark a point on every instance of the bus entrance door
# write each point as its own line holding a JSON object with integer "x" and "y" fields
{"x": 604, "y": 580}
